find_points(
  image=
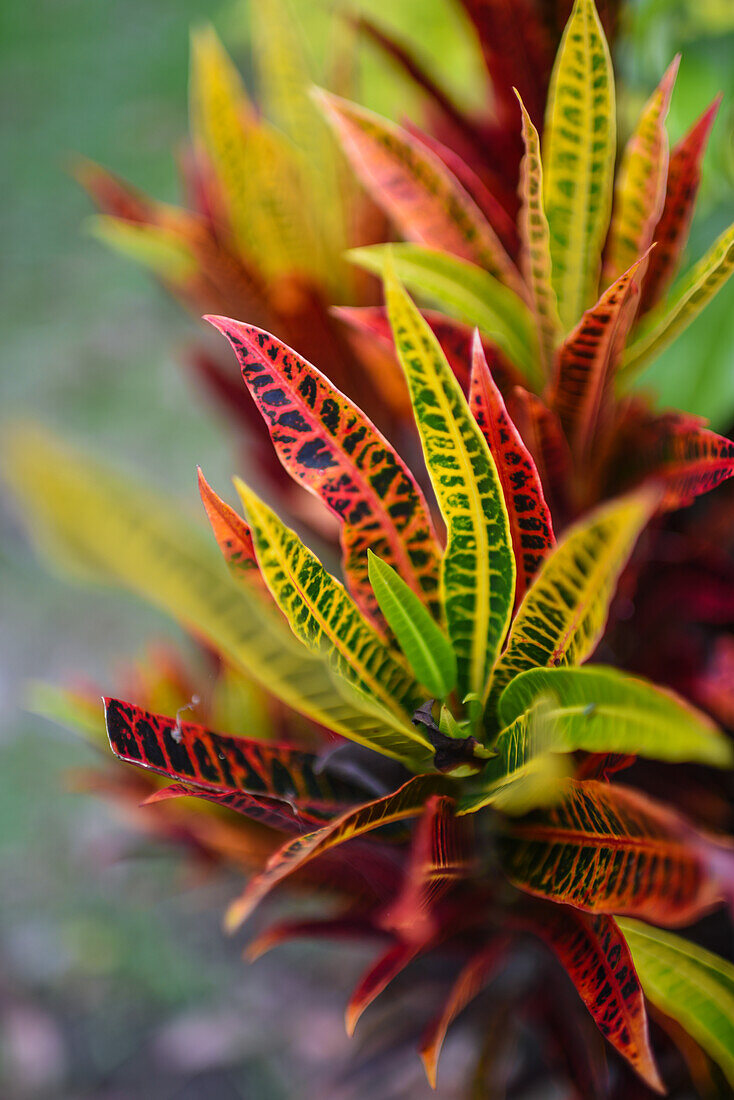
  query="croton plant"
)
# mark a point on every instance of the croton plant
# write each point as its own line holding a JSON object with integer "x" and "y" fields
{"x": 431, "y": 710}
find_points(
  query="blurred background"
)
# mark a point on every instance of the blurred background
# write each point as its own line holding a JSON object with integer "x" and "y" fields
{"x": 115, "y": 979}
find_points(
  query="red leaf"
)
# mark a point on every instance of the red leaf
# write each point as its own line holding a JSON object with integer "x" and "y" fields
{"x": 541, "y": 431}
{"x": 273, "y": 812}
{"x": 531, "y": 526}
{"x": 328, "y": 444}
{"x": 347, "y": 926}
{"x": 671, "y": 232}
{"x": 233, "y": 536}
{"x": 377, "y": 978}
{"x": 594, "y": 952}
{"x": 685, "y": 458}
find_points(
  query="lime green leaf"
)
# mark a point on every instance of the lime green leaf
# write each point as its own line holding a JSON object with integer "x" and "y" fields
{"x": 535, "y": 240}
{"x": 602, "y": 710}
{"x": 463, "y": 290}
{"x": 102, "y": 528}
{"x": 429, "y": 654}
{"x": 578, "y": 157}
{"x": 162, "y": 250}
{"x": 478, "y": 568}
{"x": 666, "y": 321}
{"x": 687, "y": 983}
{"x": 325, "y": 618}
{"x": 563, "y": 614}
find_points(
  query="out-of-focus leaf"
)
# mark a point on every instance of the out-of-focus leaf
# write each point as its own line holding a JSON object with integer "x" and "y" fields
{"x": 535, "y": 244}
{"x": 402, "y": 804}
{"x": 664, "y": 323}
{"x": 157, "y": 247}
{"x": 578, "y": 158}
{"x": 692, "y": 985}
{"x": 671, "y": 232}
{"x": 427, "y": 651}
{"x": 587, "y": 360}
{"x": 563, "y": 614}
{"x": 465, "y": 291}
{"x": 427, "y": 203}
{"x": 478, "y": 568}
{"x": 331, "y": 447}
{"x": 603, "y": 710}
{"x": 234, "y": 537}
{"x": 639, "y": 190}
{"x": 326, "y": 620}
{"x": 531, "y": 527}
{"x": 609, "y": 849}
{"x": 594, "y": 952}
{"x": 377, "y": 978}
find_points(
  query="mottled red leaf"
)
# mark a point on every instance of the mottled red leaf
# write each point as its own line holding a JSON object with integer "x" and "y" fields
{"x": 541, "y": 431}
{"x": 684, "y": 457}
{"x": 531, "y": 526}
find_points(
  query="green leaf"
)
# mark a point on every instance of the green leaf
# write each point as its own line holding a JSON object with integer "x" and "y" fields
{"x": 478, "y": 568}
{"x": 666, "y": 321}
{"x": 598, "y": 709}
{"x": 105, "y": 529}
{"x": 687, "y": 983}
{"x": 562, "y": 616}
{"x": 429, "y": 654}
{"x": 465, "y": 291}
{"x": 578, "y": 157}
{"x": 325, "y": 618}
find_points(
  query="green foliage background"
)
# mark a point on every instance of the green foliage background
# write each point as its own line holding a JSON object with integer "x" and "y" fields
{"x": 106, "y": 957}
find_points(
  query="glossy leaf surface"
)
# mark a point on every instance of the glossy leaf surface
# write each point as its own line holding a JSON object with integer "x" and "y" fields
{"x": 478, "y": 568}
{"x": 692, "y": 985}
{"x": 578, "y": 157}
{"x": 331, "y": 447}
{"x": 427, "y": 651}
{"x": 531, "y": 527}
{"x": 603, "y": 710}
{"x": 610, "y": 849}
{"x": 563, "y": 615}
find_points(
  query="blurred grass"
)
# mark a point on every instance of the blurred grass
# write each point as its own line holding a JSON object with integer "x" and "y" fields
{"x": 112, "y": 953}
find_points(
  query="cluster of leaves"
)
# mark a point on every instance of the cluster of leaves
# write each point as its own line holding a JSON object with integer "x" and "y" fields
{"x": 446, "y": 671}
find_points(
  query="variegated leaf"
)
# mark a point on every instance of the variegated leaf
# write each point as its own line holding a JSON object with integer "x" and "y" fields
{"x": 327, "y": 621}
{"x": 609, "y": 849}
{"x": 639, "y": 191}
{"x": 563, "y": 614}
{"x": 531, "y": 527}
{"x": 578, "y": 158}
{"x": 587, "y": 360}
{"x": 602, "y": 710}
{"x": 478, "y": 568}
{"x": 467, "y": 293}
{"x": 234, "y": 537}
{"x": 331, "y": 447}
{"x": 593, "y": 951}
{"x": 535, "y": 244}
{"x": 540, "y": 430}
{"x": 664, "y": 323}
{"x": 406, "y": 802}
{"x": 671, "y": 232}
{"x": 427, "y": 203}
{"x": 689, "y": 984}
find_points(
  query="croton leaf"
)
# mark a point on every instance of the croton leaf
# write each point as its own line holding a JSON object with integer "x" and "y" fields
{"x": 610, "y": 849}
{"x": 579, "y": 145}
{"x": 594, "y": 952}
{"x": 541, "y": 431}
{"x": 427, "y": 203}
{"x": 478, "y": 568}
{"x": 535, "y": 243}
{"x": 326, "y": 620}
{"x": 426, "y": 649}
{"x": 587, "y": 360}
{"x": 216, "y": 762}
{"x": 465, "y": 291}
{"x": 408, "y": 801}
{"x": 475, "y": 974}
{"x": 233, "y": 536}
{"x": 531, "y": 527}
{"x": 603, "y": 710}
{"x": 106, "y": 529}
{"x": 331, "y": 447}
{"x": 671, "y": 232}
{"x": 273, "y": 812}
{"x": 162, "y": 249}
{"x": 347, "y": 926}
{"x": 668, "y": 319}
{"x": 377, "y": 978}
{"x": 639, "y": 192}
{"x": 439, "y": 856}
{"x": 563, "y": 614}
{"x": 689, "y": 984}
